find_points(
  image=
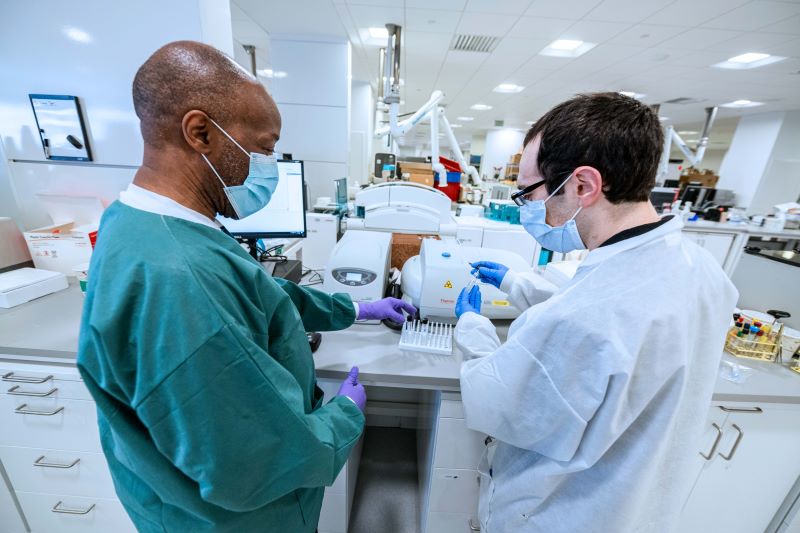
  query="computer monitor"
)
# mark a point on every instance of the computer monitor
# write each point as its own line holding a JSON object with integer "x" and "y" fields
{"x": 284, "y": 216}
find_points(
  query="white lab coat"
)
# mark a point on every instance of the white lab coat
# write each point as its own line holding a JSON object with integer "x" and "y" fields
{"x": 598, "y": 396}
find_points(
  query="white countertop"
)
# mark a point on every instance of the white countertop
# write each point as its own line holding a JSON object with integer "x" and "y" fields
{"x": 730, "y": 227}
{"x": 46, "y": 330}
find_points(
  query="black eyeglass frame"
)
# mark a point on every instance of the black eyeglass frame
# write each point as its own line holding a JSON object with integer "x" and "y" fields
{"x": 519, "y": 196}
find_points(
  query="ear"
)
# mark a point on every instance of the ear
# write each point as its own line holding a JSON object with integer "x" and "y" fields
{"x": 197, "y": 130}
{"x": 589, "y": 185}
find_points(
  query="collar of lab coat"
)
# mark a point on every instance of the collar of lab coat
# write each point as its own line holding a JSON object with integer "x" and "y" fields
{"x": 598, "y": 255}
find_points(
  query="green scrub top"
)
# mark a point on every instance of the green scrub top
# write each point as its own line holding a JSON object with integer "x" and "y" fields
{"x": 209, "y": 413}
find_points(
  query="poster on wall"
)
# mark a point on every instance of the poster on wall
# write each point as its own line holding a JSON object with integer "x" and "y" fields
{"x": 61, "y": 127}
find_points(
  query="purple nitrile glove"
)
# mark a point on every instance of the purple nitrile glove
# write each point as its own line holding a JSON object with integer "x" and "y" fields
{"x": 387, "y": 308}
{"x": 354, "y": 390}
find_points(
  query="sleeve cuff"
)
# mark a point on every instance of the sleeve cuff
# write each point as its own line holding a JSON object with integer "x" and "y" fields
{"x": 508, "y": 281}
{"x": 355, "y": 306}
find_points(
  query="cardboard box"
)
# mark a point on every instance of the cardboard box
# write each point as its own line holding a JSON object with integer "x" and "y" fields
{"x": 62, "y": 246}
{"x": 707, "y": 178}
{"x": 516, "y": 158}
{"x": 425, "y": 178}
{"x": 405, "y": 246}
{"x": 410, "y": 166}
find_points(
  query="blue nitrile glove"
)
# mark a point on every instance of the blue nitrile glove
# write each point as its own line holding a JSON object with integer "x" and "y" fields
{"x": 354, "y": 390}
{"x": 391, "y": 308}
{"x": 489, "y": 272}
{"x": 469, "y": 301}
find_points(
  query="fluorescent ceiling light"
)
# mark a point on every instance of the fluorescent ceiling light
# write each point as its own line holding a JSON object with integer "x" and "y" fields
{"x": 455, "y": 125}
{"x": 466, "y": 119}
{"x": 379, "y": 33}
{"x": 77, "y": 34}
{"x": 566, "y": 48}
{"x": 508, "y": 88}
{"x": 749, "y": 60}
{"x": 632, "y": 94}
{"x": 530, "y": 122}
{"x": 748, "y": 57}
{"x": 565, "y": 44}
{"x": 269, "y": 73}
{"x": 480, "y": 107}
{"x": 688, "y": 132}
{"x": 742, "y": 103}
{"x": 663, "y": 119}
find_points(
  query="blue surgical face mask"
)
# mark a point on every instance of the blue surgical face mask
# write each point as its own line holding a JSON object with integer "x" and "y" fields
{"x": 533, "y": 216}
{"x": 255, "y": 193}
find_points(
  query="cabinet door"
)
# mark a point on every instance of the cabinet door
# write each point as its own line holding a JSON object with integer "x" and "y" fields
{"x": 10, "y": 521}
{"x": 718, "y": 245}
{"x": 754, "y": 467}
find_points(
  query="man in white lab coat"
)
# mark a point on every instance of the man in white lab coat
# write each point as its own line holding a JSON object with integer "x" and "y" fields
{"x": 597, "y": 397}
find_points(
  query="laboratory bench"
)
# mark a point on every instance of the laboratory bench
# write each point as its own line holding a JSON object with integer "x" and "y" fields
{"x": 56, "y": 476}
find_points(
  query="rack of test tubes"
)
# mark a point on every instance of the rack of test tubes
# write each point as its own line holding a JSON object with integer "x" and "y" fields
{"x": 428, "y": 337}
{"x": 752, "y": 339}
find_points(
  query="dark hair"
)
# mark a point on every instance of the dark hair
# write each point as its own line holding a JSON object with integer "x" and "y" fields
{"x": 615, "y": 134}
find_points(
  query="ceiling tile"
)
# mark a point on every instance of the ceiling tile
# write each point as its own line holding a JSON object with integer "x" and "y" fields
{"x": 449, "y": 5}
{"x": 506, "y": 7}
{"x": 626, "y": 10}
{"x": 647, "y": 35}
{"x": 699, "y": 39}
{"x": 750, "y": 42}
{"x": 375, "y": 16}
{"x": 548, "y": 29}
{"x": 486, "y": 24}
{"x": 692, "y": 12}
{"x": 754, "y": 15}
{"x": 432, "y": 20}
{"x": 574, "y": 10}
{"x": 593, "y": 31}
{"x": 791, "y": 26}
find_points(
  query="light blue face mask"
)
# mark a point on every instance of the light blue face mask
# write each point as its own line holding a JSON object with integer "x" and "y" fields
{"x": 255, "y": 193}
{"x": 563, "y": 239}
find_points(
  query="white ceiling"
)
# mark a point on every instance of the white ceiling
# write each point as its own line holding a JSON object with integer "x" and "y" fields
{"x": 662, "y": 48}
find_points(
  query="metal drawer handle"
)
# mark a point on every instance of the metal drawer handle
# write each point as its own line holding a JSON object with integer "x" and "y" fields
{"x": 22, "y": 411}
{"x": 16, "y": 392}
{"x": 735, "y": 444}
{"x": 754, "y": 410}
{"x": 473, "y": 526}
{"x": 40, "y": 462}
{"x": 63, "y": 510}
{"x": 714, "y": 446}
{"x": 24, "y": 379}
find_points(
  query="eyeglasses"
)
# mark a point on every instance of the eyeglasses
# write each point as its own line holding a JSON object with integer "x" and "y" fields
{"x": 520, "y": 196}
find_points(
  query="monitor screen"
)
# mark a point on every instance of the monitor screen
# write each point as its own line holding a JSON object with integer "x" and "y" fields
{"x": 284, "y": 216}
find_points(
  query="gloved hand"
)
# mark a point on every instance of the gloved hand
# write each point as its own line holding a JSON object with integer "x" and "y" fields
{"x": 469, "y": 301}
{"x": 354, "y": 390}
{"x": 489, "y": 272}
{"x": 387, "y": 308}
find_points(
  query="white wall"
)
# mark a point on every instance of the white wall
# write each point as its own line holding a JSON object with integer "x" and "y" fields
{"x": 749, "y": 155}
{"x": 362, "y": 115}
{"x": 781, "y": 180}
{"x": 314, "y": 101}
{"x": 99, "y": 72}
{"x": 500, "y": 146}
{"x": 478, "y": 144}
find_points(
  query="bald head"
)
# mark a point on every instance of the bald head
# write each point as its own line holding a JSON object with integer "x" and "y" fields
{"x": 186, "y": 75}
{"x": 185, "y": 95}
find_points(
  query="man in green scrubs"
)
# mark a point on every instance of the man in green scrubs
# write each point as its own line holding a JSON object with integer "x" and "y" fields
{"x": 208, "y": 408}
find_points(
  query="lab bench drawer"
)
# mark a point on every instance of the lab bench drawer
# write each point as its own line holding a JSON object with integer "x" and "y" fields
{"x": 53, "y": 513}
{"x": 49, "y": 423}
{"x": 451, "y": 409}
{"x": 458, "y": 446}
{"x": 454, "y": 491}
{"x": 39, "y": 381}
{"x": 57, "y": 471}
{"x": 452, "y": 523}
